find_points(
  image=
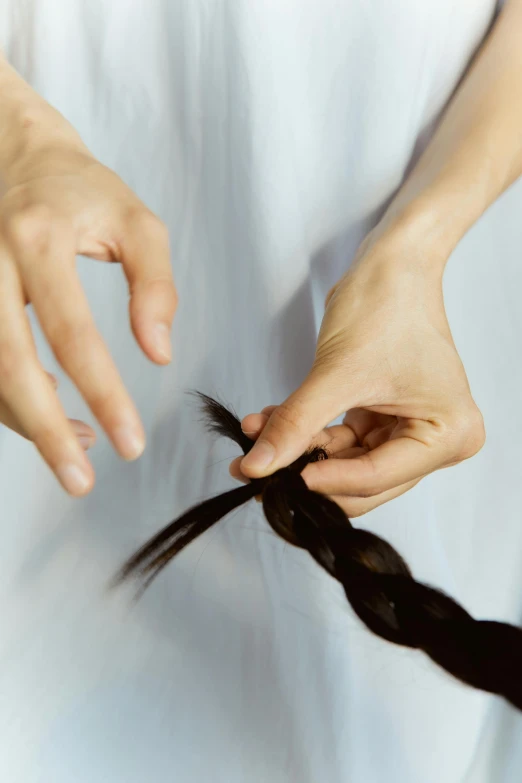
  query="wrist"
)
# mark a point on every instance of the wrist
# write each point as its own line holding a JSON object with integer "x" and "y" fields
{"x": 420, "y": 230}
{"x": 410, "y": 240}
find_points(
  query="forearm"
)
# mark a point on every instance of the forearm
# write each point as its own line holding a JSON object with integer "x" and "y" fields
{"x": 475, "y": 153}
{"x": 27, "y": 121}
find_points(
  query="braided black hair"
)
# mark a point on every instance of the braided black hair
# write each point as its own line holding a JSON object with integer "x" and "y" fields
{"x": 378, "y": 583}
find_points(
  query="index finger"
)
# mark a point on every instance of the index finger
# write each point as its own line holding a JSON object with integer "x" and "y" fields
{"x": 63, "y": 311}
{"x": 145, "y": 256}
{"x": 391, "y": 464}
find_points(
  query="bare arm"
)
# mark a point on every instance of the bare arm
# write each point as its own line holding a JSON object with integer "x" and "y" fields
{"x": 385, "y": 353}
{"x": 475, "y": 153}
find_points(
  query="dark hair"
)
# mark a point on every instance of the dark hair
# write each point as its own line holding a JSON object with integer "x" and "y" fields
{"x": 377, "y": 581}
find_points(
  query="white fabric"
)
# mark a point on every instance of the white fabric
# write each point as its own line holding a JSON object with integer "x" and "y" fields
{"x": 269, "y": 135}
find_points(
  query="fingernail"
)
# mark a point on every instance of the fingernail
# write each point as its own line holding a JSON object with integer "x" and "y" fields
{"x": 249, "y": 432}
{"x": 129, "y": 442}
{"x": 259, "y": 457}
{"x": 162, "y": 340}
{"x": 73, "y": 478}
{"x": 85, "y": 441}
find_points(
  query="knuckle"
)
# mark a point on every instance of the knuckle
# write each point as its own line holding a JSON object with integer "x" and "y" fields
{"x": 373, "y": 482}
{"x": 53, "y": 438}
{"x": 471, "y": 432}
{"x": 367, "y": 485}
{"x": 148, "y": 222}
{"x": 132, "y": 216}
{"x": 31, "y": 226}
{"x": 289, "y": 416}
{"x": 45, "y": 437}
{"x": 158, "y": 292}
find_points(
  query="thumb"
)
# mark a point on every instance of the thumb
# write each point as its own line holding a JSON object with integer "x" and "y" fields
{"x": 293, "y": 425}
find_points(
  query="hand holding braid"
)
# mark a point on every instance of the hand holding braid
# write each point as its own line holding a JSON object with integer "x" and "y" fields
{"x": 376, "y": 580}
{"x": 386, "y": 362}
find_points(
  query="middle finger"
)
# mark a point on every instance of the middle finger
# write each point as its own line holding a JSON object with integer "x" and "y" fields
{"x": 62, "y": 309}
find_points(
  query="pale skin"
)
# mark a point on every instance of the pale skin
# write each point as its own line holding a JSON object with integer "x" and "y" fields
{"x": 408, "y": 405}
{"x": 385, "y": 355}
{"x": 59, "y": 201}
